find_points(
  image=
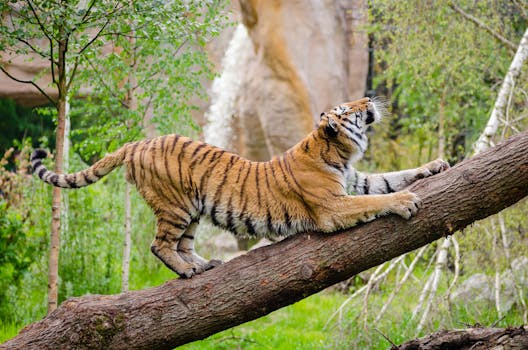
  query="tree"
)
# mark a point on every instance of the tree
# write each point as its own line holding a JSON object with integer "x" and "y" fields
{"x": 271, "y": 277}
{"x": 59, "y": 32}
{"x": 73, "y": 36}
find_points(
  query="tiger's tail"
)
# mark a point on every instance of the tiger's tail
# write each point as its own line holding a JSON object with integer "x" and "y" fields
{"x": 79, "y": 179}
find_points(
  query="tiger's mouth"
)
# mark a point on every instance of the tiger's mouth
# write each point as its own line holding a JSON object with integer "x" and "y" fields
{"x": 373, "y": 114}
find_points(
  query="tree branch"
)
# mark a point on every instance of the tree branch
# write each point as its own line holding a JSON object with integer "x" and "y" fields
{"x": 477, "y": 338}
{"x": 482, "y": 25}
{"x": 42, "y": 27}
{"x": 29, "y": 82}
{"x": 268, "y": 278}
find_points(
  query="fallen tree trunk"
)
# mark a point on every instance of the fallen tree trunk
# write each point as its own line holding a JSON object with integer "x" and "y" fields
{"x": 471, "y": 339}
{"x": 266, "y": 279}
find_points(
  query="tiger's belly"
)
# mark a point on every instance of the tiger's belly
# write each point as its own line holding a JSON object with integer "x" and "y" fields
{"x": 267, "y": 223}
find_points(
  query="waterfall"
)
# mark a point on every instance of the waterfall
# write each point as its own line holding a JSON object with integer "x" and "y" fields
{"x": 218, "y": 130}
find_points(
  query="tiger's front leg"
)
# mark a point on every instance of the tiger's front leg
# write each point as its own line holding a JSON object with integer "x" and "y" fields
{"x": 348, "y": 211}
{"x": 360, "y": 183}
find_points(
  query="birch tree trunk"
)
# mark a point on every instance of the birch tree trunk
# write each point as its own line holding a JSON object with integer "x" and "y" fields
{"x": 499, "y": 109}
{"x": 268, "y": 278}
{"x": 127, "y": 242}
{"x": 132, "y": 104}
{"x": 53, "y": 263}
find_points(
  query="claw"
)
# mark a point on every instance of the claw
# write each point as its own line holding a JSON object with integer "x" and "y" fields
{"x": 212, "y": 264}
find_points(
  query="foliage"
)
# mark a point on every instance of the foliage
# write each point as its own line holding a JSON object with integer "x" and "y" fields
{"x": 153, "y": 65}
{"x": 20, "y": 240}
{"x": 18, "y": 122}
{"x": 438, "y": 65}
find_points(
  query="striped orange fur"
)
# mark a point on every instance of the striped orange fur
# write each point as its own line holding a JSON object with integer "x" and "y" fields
{"x": 304, "y": 189}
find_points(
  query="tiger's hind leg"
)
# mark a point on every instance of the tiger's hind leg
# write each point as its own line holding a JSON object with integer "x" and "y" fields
{"x": 174, "y": 246}
{"x": 187, "y": 252}
{"x": 165, "y": 247}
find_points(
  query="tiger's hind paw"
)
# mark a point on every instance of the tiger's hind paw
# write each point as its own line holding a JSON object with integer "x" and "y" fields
{"x": 199, "y": 268}
{"x": 212, "y": 264}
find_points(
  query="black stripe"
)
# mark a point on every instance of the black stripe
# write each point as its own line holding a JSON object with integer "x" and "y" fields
{"x": 55, "y": 180}
{"x": 229, "y": 217}
{"x": 366, "y": 186}
{"x": 187, "y": 236}
{"x": 306, "y": 146}
{"x": 287, "y": 219}
{"x": 176, "y": 138}
{"x": 240, "y": 171}
{"x": 389, "y": 188}
{"x": 146, "y": 147}
{"x": 42, "y": 172}
{"x": 355, "y": 123}
{"x": 180, "y": 158}
{"x": 218, "y": 193}
{"x": 86, "y": 179}
{"x": 181, "y": 226}
{"x": 132, "y": 164}
{"x": 200, "y": 146}
{"x": 195, "y": 160}
{"x": 356, "y": 178}
{"x": 269, "y": 221}
{"x": 243, "y": 196}
{"x": 354, "y": 135}
{"x": 249, "y": 226}
{"x": 330, "y": 163}
{"x": 71, "y": 180}
{"x": 36, "y": 164}
{"x": 257, "y": 182}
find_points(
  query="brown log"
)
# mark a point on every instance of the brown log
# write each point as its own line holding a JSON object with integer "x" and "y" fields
{"x": 477, "y": 338}
{"x": 266, "y": 279}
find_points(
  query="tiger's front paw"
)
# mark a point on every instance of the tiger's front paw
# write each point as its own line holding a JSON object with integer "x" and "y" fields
{"x": 432, "y": 168}
{"x": 406, "y": 204}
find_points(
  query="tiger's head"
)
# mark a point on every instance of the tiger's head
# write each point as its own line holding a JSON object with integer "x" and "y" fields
{"x": 347, "y": 123}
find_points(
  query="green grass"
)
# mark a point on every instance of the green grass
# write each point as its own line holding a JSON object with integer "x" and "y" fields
{"x": 299, "y": 326}
{"x": 8, "y": 330}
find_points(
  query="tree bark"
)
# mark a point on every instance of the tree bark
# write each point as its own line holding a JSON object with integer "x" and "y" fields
{"x": 266, "y": 279}
{"x": 53, "y": 262}
{"x": 471, "y": 339}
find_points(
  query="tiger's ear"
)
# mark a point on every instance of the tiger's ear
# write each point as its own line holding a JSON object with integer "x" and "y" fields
{"x": 331, "y": 127}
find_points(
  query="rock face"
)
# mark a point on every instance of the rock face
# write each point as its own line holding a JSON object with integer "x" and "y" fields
{"x": 301, "y": 67}
{"x": 306, "y": 56}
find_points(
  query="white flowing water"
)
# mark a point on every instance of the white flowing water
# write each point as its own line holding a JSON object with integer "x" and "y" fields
{"x": 218, "y": 130}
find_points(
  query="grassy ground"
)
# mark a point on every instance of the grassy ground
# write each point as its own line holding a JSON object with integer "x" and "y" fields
{"x": 299, "y": 326}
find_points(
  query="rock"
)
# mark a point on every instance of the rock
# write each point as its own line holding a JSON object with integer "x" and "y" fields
{"x": 478, "y": 287}
{"x": 481, "y": 287}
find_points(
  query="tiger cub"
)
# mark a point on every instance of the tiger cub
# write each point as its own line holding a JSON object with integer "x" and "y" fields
{"x": 304, "y": 189}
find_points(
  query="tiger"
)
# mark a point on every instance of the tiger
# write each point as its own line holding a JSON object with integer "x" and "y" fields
{"x": 306, "y": 189}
